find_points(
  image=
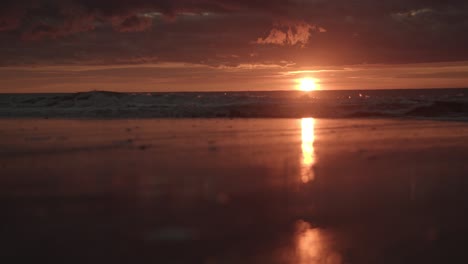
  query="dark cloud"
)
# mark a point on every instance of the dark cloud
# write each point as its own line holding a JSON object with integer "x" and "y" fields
{"x": 40, "y": 30}
{"x": 11, "y": 15}
{"x": 15, "y": 14}
{"x": 26, "y": 15}
{"x": 132, "y": 24}
{"x": 227, "y": 32}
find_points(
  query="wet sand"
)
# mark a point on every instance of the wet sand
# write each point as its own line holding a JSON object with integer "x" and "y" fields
{"x": 233, "y": 191}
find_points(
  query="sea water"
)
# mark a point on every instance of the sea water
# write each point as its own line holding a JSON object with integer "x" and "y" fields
{"x": 427, "y": 103}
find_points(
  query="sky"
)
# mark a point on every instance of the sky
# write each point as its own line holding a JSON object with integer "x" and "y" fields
{"x": 223, "y": 45}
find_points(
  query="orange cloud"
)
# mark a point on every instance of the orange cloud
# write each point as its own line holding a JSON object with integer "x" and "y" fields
{"x": 291, "y": 34}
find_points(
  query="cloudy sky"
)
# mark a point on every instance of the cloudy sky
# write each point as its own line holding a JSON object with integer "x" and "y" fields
{"x": 206, "y": 45}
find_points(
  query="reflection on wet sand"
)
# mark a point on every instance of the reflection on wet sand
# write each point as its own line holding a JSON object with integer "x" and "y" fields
{"x": 314, "y": 246}
{"x": 308, "y": 151}
{"x": 231, "y": 191}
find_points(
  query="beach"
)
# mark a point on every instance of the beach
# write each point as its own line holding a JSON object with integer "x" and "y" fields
{"x": 233, "y": 132}
{"x": 300, "y": 190}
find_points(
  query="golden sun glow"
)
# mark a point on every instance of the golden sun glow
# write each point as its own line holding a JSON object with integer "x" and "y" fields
{"x": 307, "y": 84}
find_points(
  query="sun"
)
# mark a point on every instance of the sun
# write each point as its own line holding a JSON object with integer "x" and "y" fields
{"x": 307, "y": 84}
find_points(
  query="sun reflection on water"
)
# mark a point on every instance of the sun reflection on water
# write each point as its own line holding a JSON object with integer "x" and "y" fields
{"x": 308, "y": 152}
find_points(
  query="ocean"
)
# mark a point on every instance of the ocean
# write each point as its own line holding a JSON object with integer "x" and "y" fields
{"x": 446, "y": 104}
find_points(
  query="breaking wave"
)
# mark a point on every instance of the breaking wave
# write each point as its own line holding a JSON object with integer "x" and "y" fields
{"x": 429, "y": 103}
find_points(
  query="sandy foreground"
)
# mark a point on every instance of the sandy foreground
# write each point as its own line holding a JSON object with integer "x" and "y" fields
{"x": 233, "y": 191}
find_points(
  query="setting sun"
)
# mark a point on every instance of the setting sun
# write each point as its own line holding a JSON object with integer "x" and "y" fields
{"x": 307, "y": 84}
